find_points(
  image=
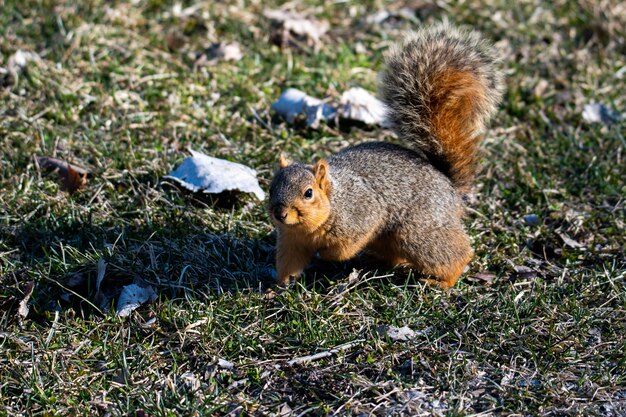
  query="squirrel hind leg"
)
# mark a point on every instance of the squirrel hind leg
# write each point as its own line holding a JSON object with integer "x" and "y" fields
{"x": 443, "y": 254}
{"x": 386, "y": 249}
{"x": 447, "y": 276}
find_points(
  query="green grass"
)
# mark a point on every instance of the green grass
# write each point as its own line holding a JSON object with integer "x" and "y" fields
{"x": 546, "y": 337}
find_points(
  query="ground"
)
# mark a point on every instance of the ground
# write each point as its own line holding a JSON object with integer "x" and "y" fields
{"x": 537, "y": 326}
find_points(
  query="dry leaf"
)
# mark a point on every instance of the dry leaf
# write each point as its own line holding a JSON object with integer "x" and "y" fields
{"x": 175, "y": 41}
{"x": 397, "y": 334}
{"x": 599, "y": 113}
{"x": 524, "y": 272}
{"x": 191, "y": 381}
{"x": 225, "y": 52}
{"x": 292, "y": 103}
{"x": 540, "y": 88}
{"x": 223, "y": 363}
{"x": 570, "y": 242}
{"x": 132, "y": 297}
{"x": 17, "y": 64}
{"x": 297, "y": 25}
{"x": 218, "y": 52}
{"x": 484, "y": 277}
{"x": 72, "y": 177}
{"x": 22, "y": 310}
{"x": 358, "y": 104}
{"x": 201, "y": 172}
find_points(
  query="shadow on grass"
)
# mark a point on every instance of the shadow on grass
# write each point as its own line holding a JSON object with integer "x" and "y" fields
{"x": 176, "y": 258}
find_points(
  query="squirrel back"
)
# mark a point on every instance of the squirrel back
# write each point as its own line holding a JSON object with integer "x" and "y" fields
{"x": 441, "y": 87}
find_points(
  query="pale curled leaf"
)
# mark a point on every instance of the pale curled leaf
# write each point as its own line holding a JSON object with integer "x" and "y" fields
{"x": 599, "y": 113}
{"x": 570, "y": 242}
{"x": 191, "y": 381}
{"x": 382, "y": 16}
{"x": 358, "y": 104}
{"x": 223, "y": 363}
{"x": 397, "y": 334}
{"x": 298, "y": 24}
{"x": 132, "y": 297}
{"x": 18, "y": 63}
{"x": 22, "y": 310}
{"x": 524, "y": 272}
{"x": 201, "y": 172}
{"x": 292, "y": 103}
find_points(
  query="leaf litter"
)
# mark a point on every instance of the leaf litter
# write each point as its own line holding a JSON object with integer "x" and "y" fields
{"x": 599, "y": 113}
{"x": 203, "y": 173}
{"x": 23, "y": 308}
{"x": 397, "y": 334}
{"x": 295, "y": 28}
{"x": 220, "y": 51}
{"x": 129, "y": 297}
{"x": 16, "y": 65}
{"x": 355, "y": 104}
{"x": 132, "y": 297}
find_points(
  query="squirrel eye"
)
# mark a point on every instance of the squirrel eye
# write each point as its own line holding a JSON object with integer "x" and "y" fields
{"x": 308, "y": 193}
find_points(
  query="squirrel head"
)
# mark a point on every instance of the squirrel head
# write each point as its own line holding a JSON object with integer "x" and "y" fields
{"x": 300, "y": 195}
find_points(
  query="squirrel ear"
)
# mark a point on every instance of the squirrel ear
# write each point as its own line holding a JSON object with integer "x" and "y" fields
{"x": 283, "y": 162}
{"x": 321, "y": 174}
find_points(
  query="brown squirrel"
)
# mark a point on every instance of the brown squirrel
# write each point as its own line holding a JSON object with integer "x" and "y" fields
{"x": 403, "y": 204}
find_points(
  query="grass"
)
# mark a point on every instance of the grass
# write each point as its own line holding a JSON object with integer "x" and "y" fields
{"x": 113, "y": 92}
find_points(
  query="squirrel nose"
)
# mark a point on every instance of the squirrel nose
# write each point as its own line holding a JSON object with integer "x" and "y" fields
{"x": 279, "y": 214}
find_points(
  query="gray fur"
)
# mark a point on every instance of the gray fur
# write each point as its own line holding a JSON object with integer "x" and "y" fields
{"x": 397, "y": 191}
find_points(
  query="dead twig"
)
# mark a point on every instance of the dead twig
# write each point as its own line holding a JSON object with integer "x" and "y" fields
{"x": 325, "y": 354}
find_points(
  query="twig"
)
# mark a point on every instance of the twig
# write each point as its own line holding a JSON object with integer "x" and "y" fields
{"x": 324, "y": 354}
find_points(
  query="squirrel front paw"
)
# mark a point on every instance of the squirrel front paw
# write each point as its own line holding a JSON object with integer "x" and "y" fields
{"x": 286, "y": 280}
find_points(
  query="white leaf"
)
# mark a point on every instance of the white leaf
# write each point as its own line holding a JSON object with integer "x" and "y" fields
{"x": 132, "y": 297}
{"x": 358, "y": 104}
{"x": 19, "y": 60}
{"x": 599, "y": 113}
{"x": 378, "y": 17}
{"x": 292, "y": 103}
{"x": 201, "y": 172}
{"x": 398, "y": 334}
{"x": 223, "y": 363}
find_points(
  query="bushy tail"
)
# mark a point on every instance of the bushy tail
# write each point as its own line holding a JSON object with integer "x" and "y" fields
{"x": 441, "y": 87}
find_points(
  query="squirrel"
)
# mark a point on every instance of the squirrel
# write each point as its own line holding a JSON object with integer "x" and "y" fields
{"x": 405, "y": 203}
